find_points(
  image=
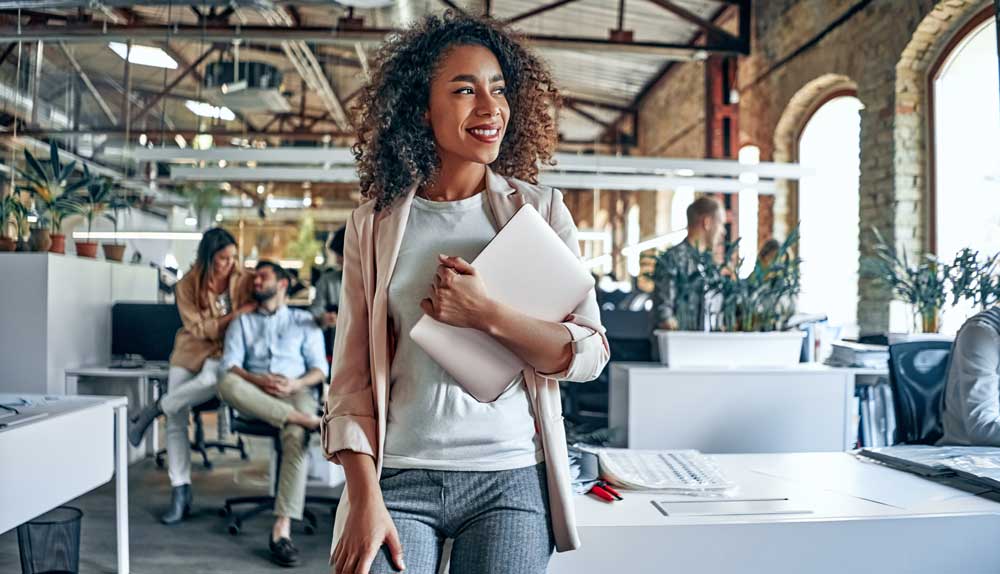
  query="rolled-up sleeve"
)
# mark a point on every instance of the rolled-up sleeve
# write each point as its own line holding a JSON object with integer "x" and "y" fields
{"x": 591, "y": 351}
{"x": 233, "y": 349}
{"x": 349, "y": 414}
{"x": 313, "y": 347}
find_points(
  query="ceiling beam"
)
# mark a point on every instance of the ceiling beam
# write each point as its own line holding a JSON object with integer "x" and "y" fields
{"x": 101, "y": 102}
{"x": 540, "y": 10}
{"x": 453, "y": 6}
{"x": 595, "y": 104}
{"x": 324, "y": 35}
{"x": 588, "y": 116}
{"x": 173, "y": 84}
{"x": 714, "y": 31}
{"x": 188, "y": 134}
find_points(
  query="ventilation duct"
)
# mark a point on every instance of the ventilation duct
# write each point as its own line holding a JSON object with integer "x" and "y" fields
{"x": 256, "y": 88}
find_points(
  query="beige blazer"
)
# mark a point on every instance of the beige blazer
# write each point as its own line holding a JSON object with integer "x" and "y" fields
{"x": 356, "y": 407}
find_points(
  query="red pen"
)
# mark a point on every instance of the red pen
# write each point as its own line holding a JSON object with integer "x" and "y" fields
{"x": 611, "y": 490}
{"x": 599, "y": 492}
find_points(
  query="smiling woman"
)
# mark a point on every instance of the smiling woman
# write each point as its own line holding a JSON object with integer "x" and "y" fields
{"x": 491, "y": 101}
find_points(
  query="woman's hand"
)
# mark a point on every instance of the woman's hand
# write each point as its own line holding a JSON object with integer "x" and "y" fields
{"x": 458, "y": 295}
{"x": 368, "y": 527}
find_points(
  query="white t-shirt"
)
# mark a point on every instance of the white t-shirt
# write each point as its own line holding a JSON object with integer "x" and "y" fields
{"x": 433, "y": 423}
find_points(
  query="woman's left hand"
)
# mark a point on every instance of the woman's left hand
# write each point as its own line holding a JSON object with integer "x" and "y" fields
{"x": 458, "y": 295}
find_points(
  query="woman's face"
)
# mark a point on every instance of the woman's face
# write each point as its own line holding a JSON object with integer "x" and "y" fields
{"x": 468, "y": 108}
{"x": 223, "y": 261}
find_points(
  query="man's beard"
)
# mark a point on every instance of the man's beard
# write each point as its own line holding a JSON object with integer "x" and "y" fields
{"x": 264, "y": 296}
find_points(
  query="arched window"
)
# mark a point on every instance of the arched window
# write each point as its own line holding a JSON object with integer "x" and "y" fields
{"x": 830, "y": 145}
{"x": 965, "y": 93}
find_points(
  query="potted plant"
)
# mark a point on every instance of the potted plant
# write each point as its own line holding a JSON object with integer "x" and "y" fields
{"x": 923, "y": 284}
{"x": 46, "y": 182}
{"x": 746, "y": 315}
{"x": 22, "y": 226}
{"x": 61, "y": 208}
{"x": 9, "y": 207}
{"x": 94, "y": 203}
{"x": 118, "y": 204}
{"x": 974, "y": 280}
{"x": 305, "y": 247}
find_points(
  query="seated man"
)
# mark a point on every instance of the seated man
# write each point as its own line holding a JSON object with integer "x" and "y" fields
{"x": 271, "y": 359}
{"x": 971, "y": 415}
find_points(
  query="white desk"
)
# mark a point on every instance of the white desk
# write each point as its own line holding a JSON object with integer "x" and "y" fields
{"x": 143, "y": 386}
{"x": 803, "y": 408}
{"x": 865, "y": 518}
{"x": 76, "y": 446}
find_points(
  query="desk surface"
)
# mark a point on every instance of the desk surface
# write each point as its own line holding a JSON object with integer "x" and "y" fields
{"x": 796, "y": 368}
{"x": 833, "y": 486}
{"x": 150, "y": 370}
{"x": 38, "y": 409}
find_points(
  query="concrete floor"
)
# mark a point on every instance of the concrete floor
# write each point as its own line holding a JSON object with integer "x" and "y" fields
{"x": 200, "y": 544}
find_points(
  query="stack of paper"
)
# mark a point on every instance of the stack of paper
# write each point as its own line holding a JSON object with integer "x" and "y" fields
{"x": 977, "y": 464}
{"x": 857, "y": 355}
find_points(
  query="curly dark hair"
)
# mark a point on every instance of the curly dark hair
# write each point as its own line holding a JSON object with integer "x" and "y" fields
{"x": 395, "y": 146}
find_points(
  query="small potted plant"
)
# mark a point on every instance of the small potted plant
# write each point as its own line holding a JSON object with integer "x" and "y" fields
{"x": 118, "y": 204}
{"x": 62, "y": 207}
{"x": 93, "y": 204}
{"x": 47, "y": 182}
{"x": 923, "y": 284}
{"x": 9, "y": 208}
{"x": 22, "y": 226}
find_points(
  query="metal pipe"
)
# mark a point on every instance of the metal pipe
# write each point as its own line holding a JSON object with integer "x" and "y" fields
{"x": 37, "y": 81}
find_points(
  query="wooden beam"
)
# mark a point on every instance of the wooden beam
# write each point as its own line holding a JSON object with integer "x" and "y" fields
{"x": 173, "y": 84}
{"x": 7, "y": 51}
{"x": 540, "y": 10}
{"x": 595, "y": 104}
{"x": 90, "y": 85}
{"x": 713, "y": 30}
{"x": 587, "y": 115}
{"x": 453, "y": 6}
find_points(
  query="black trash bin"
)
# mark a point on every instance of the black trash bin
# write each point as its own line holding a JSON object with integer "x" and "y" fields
{"x": 50, "y": 544}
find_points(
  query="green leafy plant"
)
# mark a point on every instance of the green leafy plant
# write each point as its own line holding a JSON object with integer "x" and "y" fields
{"x": 47, "y": 181}
{"x": 11, "y": 211}
{"x": 974, "y": 280}
{"x": 205, "y": 199}
{"x": 96, "y": 200}
{"x": 305, "y": 246}
{"x": 922, "y": 284}
{"x": 762, "y": 301}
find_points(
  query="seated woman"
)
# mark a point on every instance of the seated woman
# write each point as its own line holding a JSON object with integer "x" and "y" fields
{"x": 971, "y": 415}
{"x": 213, "y": 293}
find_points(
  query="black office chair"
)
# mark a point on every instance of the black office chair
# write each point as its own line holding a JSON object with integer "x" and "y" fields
{"x": 918, "y": 372}
{"x": 628, "y": 335}
{"x": 199, "y": 444}
{"x": 246, "y": 425}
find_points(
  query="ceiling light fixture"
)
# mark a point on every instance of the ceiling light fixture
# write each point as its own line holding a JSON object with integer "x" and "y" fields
{"x": 144, "y": 55}
{"x": 207, "y": 110}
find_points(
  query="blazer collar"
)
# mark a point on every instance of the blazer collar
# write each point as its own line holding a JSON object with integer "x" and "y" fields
{"x": 390, "y": 224}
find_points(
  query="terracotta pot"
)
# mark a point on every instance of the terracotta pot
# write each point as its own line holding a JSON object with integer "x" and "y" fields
{"x": 113, "y": 251}
{"x": 41, "y": 241}
{"x": 87, "y": 249}
{"x": 7, "y": 244}
{"x": 58, "y": 243}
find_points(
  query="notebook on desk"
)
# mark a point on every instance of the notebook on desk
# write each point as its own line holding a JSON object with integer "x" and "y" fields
{"x": 526, "y": 266}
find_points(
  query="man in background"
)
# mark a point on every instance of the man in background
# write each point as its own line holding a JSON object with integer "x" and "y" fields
{"x": 272, "y": 358}
{"x": 706, "y": 230}
{"x": 326, "y": 303}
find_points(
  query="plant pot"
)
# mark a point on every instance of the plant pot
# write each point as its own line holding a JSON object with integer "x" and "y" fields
{"x": 40, "y": 241}
{"x": 58, "y": 243}
{"x": 7, "y": 244}
{"x": 699, "y": 349}
{"x": 87, "y": 249}
{"x": 113, "y": 251}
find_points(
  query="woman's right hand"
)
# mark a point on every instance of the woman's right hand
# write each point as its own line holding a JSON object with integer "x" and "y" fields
{"x": 368, "y": 527}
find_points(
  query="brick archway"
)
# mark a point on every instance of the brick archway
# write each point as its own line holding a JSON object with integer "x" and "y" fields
{"x": 911, "y": 131}
{"x": 793, "y": 119}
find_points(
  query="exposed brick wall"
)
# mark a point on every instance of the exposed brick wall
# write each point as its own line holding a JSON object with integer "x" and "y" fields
{"x": 884, "y": 50}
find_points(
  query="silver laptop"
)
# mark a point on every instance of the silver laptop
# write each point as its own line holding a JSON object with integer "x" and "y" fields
{"x": 527, "y": 267}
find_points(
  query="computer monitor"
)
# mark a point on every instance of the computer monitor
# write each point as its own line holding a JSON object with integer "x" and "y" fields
{"x": 144, "y": 329}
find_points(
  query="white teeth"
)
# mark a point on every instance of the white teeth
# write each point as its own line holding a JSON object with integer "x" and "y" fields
{"x": 485, "y": 133}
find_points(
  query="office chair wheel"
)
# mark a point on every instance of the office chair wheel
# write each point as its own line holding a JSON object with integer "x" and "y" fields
{"x": 159, "y": 462}
{"x": 310, "y": 529}
{"x": 225, "y": 511}
{"x": 234, "y": 528}
{"x": 207, "y": 464}
{"x": 244, "y": 455}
